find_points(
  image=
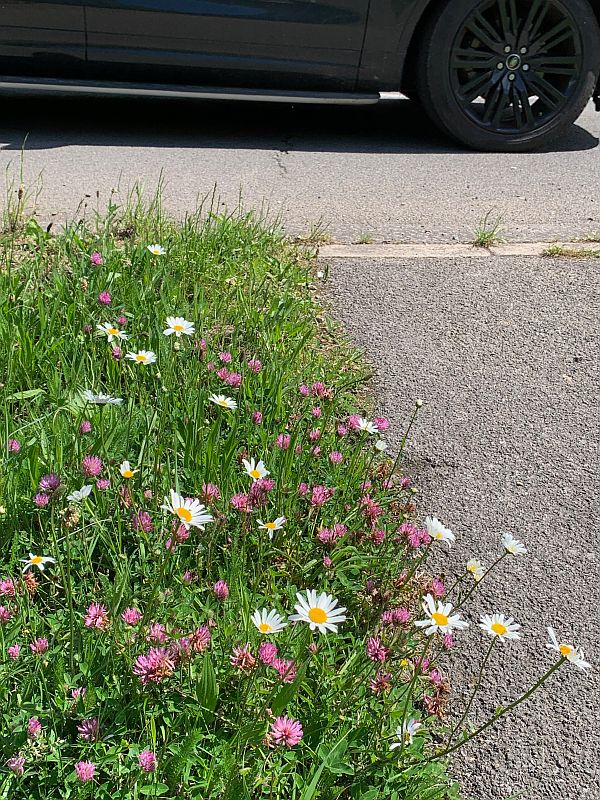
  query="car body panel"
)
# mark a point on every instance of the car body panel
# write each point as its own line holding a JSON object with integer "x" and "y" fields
{"x": 390, "y": 28}
{"x": 45, "y": 39}
{"x": 287, "y": 44}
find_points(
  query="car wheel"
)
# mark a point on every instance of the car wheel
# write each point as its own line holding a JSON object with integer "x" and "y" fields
{"x": 508, "y": 75}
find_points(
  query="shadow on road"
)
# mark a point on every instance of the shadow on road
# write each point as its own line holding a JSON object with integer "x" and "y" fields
{"x": 392, "y": 126}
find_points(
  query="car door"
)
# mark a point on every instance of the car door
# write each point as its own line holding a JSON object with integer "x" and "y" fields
{"x": 286, "y": 44}
{"x": 42, "y": 38}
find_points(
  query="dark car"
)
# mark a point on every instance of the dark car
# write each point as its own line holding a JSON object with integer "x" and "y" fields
{"x": 495, "y": 74}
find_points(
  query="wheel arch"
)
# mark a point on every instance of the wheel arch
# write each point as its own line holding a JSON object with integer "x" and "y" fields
{"x": 413, "y": 37}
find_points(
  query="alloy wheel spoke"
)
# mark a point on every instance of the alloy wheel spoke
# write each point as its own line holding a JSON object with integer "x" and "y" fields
{"x": 509, "y": 19}
{"x": 475, "y": 87}
{"x": 521, "y": 102}
{"x": 534, "y": 20}
{"x": 545, "y": 91}
{"x": 494, "y": 102}
{"x": 548, "y": 41}
{"x": 470, "y": 58}
{"x": 482, "y": 29}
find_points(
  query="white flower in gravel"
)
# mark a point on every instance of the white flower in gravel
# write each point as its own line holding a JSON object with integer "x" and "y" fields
{"x": 156, "y": 249}
{"x": 223, "y": 402}
{"x": 406, "y": 733}
{"x": 437, "y": 531}
{"x": 320, "y": 612}
{"x": 512, "y": 545}
{"x": 80, "y": 494}
{"x": 37, "y": 561}
{"x": 254, "y": 470}
{"x": 110, "y": 331}
{"x": 142, "y": 357}
{"x": 499, "y": 626}
{"x": 475, "y": 568}
{"x": 190, "y": 512}
{"x": 573, "y": 654}
{"x": 381, "y": 445}
{"x": 366, "y": 426}
{"x": 439, "y": 617}
{"x": 276, "y": 525}
{"x": 178, "y": 326}
{"x": 101, "y": 399}
{"x": 268, "y": 621}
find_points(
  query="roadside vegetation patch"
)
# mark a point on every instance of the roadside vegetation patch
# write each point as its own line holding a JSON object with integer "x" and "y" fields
{"x": 213, "y": 583}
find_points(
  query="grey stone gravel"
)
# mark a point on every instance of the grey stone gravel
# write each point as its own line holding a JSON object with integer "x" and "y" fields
{"x": 505, "y": 354}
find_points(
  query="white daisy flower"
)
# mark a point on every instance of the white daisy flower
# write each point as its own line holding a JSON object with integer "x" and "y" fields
{"x": 381, "y": 445}
{"x": 110, "y": 331}
{"x": 320, "y": 612}
{"x": 156, "y": 249}
{"x": 178, "y": 326}
{"x": 276, "y": 525}
{"x": 437, "y": 531}
{"x": 439, "y": 617}
{"x": 268, "y": 621}
{"x": 475, "y": 568}
{"x": 365, "y": 425}
{"x": 500, "y": 626}
{"x": 189, "y": 511}
{"x": 142, "y": 357}
{"x": 126, "y": 471}
{"x": 406, "y": 733}
{"x": 80, "y": 494}
{"x": 255, "y": 470}
{"x": 37, "y": 561}
{"x": 512, "y": 545}
{"x": 573, "y": 654}
{"x": 101, "y": 399}
{"x": 224, "y": 402}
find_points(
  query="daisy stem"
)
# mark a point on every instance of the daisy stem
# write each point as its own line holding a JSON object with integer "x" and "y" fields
{"x": 475, "y": 690}
{"x": 500, "y": 713}
{"x": 478, "y": 583}
{"x": 411, "y": 685}
{"x": 404, "y": 438}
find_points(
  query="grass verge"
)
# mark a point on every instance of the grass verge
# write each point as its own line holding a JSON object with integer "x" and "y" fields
{"x": 165, "y": 485}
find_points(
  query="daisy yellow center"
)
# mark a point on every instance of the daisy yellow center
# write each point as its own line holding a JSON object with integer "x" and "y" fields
{"x": 140, "y": 357}
{"x": 437, "y": 535}
{"x": 565, "y": 649}
{"x": 264, "y": 627}
{"x": 127, "y": 473}
{"x": 36, "y": 560}
{"x": 177, "y": 327}
{"x": 499, "y": 628}
{"x": 270, "y": 525}
{"x": 224, "y": 404}
{"x": 317, "y": 615}
{"x": 184, "y": 513}
{"x": 439, "y": 619}
{"x": 472, "y": 567}
{"x": 254, "y": 473}
{"x": 113, "y": 331}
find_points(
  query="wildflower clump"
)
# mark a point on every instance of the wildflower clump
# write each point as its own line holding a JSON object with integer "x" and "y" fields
{"x": 213, "y": 580}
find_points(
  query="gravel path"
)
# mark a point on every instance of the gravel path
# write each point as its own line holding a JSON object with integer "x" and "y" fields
{"x": 506, "y": 356}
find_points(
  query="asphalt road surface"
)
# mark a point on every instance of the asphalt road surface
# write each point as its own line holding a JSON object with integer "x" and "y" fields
{"x": 505, "y": 354}
{"x": 379, "y": 171}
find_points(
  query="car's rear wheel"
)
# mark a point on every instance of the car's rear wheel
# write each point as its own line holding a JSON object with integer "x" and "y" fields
{"x": 508, "y": 75}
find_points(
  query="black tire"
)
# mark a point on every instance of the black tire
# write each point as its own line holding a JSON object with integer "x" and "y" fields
{"x": 528, "y": 94}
